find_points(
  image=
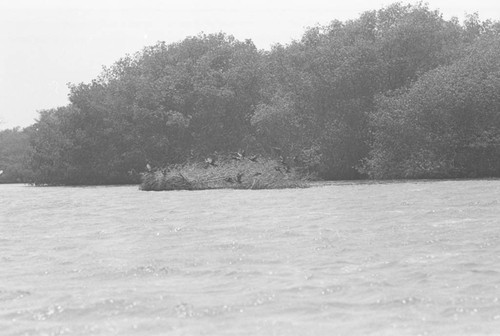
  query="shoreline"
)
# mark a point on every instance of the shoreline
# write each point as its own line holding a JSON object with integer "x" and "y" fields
{"x": 309, "y": 184}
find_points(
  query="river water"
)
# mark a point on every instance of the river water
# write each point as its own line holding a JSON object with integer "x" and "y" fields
{"x": 413, "y": 258}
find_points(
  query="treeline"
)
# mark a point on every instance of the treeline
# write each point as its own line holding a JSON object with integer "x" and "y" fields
{"x": 399, "y": 92}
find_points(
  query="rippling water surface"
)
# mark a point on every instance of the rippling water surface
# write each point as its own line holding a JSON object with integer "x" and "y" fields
{"x": 416, "y": 258}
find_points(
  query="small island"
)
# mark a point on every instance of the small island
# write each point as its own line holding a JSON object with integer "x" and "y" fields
{"x": 236, "y": 172}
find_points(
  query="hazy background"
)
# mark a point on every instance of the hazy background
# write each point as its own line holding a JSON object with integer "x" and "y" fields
{"x": 46, "y": 44}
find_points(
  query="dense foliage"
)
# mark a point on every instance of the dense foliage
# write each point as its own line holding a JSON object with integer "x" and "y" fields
{"x": 165, "y": 105}
{"x": 397, "y": 93}
{"x": 447, "y": 124}
{"x": 14, "y": 154}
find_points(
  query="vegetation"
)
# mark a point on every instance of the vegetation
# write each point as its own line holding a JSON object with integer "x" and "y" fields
{"x": 447, "y": 124}
{"x": 14, "y": 153}
{"x": 230, "y": 173}
{"x": 399, "y": 92}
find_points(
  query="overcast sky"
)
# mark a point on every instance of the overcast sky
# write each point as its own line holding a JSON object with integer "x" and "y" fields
{"x": 45, "y": 44}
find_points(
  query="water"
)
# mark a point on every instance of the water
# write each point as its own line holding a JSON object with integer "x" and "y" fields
{"x": 419, "y": 258}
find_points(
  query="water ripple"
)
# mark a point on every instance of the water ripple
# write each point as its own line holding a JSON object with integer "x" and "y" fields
{"x": 415, "y": 258}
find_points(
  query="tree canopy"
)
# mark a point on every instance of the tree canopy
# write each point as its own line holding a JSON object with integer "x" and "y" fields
{"x": 399, "y": 92}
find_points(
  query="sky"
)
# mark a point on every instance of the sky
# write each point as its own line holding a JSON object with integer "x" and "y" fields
{"x": 45, "y": 44}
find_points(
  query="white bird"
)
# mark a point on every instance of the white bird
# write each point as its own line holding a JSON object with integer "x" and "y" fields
{"x": 210, "y": 162}
{"x": 1, "y": 172}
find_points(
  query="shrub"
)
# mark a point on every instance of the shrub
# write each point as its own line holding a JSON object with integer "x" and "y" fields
{"x": 242, "y": 173}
